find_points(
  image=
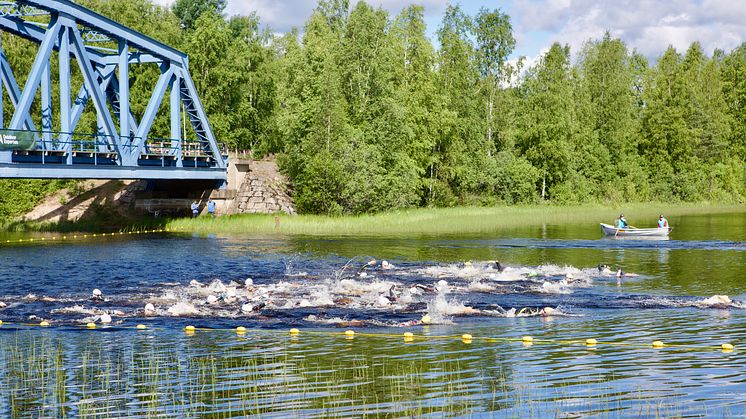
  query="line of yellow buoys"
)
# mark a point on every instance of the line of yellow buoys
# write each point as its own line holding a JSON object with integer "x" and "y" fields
{"x": 409, "y": 337}
{"x": 85, "y": 236}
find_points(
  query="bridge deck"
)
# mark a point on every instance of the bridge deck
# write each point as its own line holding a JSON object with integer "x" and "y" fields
{"x": 81, "y": 171}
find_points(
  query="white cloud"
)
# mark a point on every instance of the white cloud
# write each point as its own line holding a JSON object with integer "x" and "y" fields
{"x": 650, "y": 26}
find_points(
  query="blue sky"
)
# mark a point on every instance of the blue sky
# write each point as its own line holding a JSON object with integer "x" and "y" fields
{"x": 650, "y": 26}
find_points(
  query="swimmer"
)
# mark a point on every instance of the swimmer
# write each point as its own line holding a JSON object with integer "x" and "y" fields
{"x": 250, "y": 308}
{"x": 604, "y": 269}
{"x": 149, "y": 309}
{"x": 392, "y": 296}
{"x": 717, "y": 301}
{"x": 530, "y": 312}
{"x": 547, "y": 311}
{"x": 620, "y": 273}
{"x": 498, "y": 266}
{"x": 368, "y": 264}
{"x": 97, "y": 295}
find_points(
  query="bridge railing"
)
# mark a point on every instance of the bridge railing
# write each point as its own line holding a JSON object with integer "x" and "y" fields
{"x": 55, "y": 147}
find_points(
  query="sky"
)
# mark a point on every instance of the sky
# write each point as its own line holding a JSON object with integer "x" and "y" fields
{"x": 649, "y": 26}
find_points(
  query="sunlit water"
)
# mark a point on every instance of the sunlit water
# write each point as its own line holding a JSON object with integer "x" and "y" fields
{"x": 324, "y": 286}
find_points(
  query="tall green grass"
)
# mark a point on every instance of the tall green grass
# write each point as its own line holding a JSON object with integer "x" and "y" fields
{"x": 443, "y": 221}
{"x": 51, "y": 375}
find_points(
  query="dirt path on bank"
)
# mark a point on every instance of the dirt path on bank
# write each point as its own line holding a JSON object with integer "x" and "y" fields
{"x": 86, "y": 202}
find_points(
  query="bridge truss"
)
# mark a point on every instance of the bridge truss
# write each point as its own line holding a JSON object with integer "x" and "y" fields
{"x": 122, "y": 147}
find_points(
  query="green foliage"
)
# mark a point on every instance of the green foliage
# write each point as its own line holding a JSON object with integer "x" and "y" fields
{"x": 366, "y": 115}
{"x": 188, "y": 11}
{"x": 21, "y": 195}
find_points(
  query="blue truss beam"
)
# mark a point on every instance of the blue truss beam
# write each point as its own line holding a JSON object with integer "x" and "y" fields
{"x": 63, "y": 171}
{"x": 109, "y": 27}
{"x": 122, "y": 140}
{"x": 33, "y": 32}
{"x": 42, "y": 59}
{"x": 14, "y": 92}
{"x": 94, "y": 90}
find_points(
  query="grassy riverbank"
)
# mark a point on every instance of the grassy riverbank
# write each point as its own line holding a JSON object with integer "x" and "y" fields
{"x": 444, "y": 220}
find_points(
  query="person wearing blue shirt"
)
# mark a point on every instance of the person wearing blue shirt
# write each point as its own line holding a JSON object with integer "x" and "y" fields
{"x": 195, "y": 209}
{"x": 211, "y": 207}
{"x": 662, "y": 222}
{"x": 621, "y": 222}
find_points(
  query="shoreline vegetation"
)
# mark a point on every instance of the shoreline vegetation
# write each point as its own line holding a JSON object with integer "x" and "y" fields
{"x": 437, "y": 221}
{"x": 415, "y": 221}
{"x": 367, "y": 112}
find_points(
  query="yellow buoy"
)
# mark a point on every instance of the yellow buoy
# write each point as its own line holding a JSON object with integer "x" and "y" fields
{"x": 349, "y": 332}
{"x": 591, "y": 342}
{"x": 658, "y": 344}
{"x": 426, "y": 319}
{"x": 409, "y": 335}
{"x": 466, "y": 336}
{"x": 294, "y": 331}
{"x": 91, "y": 325}
{"x": 240, "y": 330}
{"x": 527, "y": 339}
{"x": 44, "y": 323}
{"x": 727, "y": 347}
{"x": 190, "y": 328}
{"x": 466, "y": 340}
{"x": 141, "y": 326}
{"x": 1, "y": 322}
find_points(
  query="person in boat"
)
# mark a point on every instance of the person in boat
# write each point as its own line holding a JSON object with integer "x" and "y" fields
{"x": 662, "y": 222}
{"x": 622, "y": 222}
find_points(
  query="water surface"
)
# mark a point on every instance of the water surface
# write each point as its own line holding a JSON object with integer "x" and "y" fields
{"x": 330, "y": 284}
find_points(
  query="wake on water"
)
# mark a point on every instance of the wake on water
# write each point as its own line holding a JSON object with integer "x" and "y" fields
{"x": 369, "y": 293}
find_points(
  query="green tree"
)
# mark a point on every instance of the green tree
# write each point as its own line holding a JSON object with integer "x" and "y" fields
{"x": 734, "y": 90}
{"x": 666, "y": 135}
{"x": 188, "y": 11}
{"x": 315, "y": 159}
{"x": 547, "y": 126}
{"x": 495, "y": 42}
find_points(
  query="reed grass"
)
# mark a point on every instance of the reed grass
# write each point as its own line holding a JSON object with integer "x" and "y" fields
{"x": 50, "y": 375}
{"x": 443, "y": 221}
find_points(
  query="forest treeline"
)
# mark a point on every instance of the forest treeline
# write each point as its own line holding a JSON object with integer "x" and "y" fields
{"x": 366, "y": 114}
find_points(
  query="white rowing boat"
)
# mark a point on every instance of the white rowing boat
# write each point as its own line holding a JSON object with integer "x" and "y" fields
{"x": 610, "y": 230}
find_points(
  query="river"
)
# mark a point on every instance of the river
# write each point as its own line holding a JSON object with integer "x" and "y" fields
{"x": 549, "y": 286}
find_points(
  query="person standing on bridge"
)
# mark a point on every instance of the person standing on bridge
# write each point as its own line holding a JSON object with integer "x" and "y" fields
{"x": 211, "y": 207}
{"x": 195, "y": 209}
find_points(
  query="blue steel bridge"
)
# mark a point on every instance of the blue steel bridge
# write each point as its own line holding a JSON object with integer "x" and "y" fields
{"x": 121, "y": 147}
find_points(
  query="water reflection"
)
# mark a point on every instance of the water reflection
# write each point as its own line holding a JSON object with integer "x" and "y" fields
{"x": 117, "y": 371}
{"x": 166, "y": 373}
